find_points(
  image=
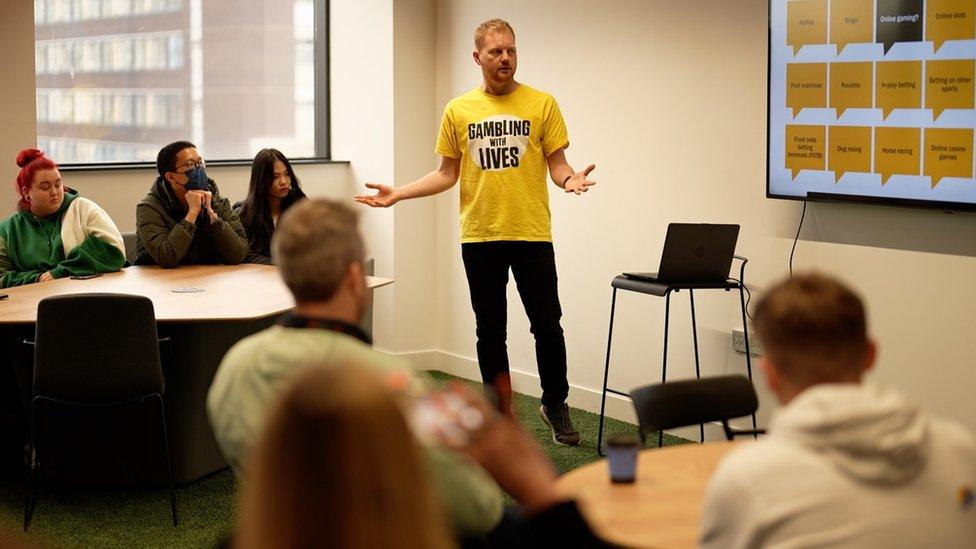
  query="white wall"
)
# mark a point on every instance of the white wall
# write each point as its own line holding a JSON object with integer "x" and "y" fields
{"x": 414, "y": 232}
{"x": 668, "y": 99}
{"x": 383, "y": 121}
{"x": 361, "y": 41}
{"x": 17, "y": 104}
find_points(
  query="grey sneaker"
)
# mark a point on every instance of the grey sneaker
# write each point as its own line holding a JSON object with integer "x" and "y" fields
{"x": 557, "y": 418}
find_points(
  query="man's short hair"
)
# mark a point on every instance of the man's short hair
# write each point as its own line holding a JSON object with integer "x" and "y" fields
{"x": 813, "y": 328}
{"x": 491, "y": 25}
{"x": 314, "y": 244}
{"x": 166, "y": 159}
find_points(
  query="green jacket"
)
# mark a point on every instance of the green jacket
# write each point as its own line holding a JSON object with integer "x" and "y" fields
{"x": 165, "y": 238}
{"x": 258, "y": 368}
{"x": 78, "y": 239}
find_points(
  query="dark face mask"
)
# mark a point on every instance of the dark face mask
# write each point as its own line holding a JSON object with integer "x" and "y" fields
{"x": 197, "y": 179}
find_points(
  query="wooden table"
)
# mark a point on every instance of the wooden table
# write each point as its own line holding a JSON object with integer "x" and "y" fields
{"x": 662, "y": 508}
{"x": 238, "y": 292}
{"x": 236, "y": 301}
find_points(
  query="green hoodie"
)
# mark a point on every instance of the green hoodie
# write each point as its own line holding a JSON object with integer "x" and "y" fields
{"x": 78, "y": 239}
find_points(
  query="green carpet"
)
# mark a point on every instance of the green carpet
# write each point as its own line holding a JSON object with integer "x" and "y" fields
{"x": 206, "y": 508}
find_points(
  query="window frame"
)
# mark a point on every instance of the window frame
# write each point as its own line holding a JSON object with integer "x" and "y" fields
{"x": 322, "y": 102}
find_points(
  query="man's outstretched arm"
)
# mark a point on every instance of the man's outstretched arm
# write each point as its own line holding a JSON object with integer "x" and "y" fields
{"x": 437, "y": 181}
{"x": 565, "y": 177}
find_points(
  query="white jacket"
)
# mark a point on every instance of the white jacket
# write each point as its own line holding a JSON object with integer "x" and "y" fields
{"x": 847, "y": 465}
{"x": 84, "y": 218}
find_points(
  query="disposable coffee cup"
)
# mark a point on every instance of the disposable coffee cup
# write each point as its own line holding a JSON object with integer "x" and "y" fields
{"x": 622, "y": 451}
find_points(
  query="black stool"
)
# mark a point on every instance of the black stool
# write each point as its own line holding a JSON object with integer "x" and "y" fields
{"x": 664, "y": 289}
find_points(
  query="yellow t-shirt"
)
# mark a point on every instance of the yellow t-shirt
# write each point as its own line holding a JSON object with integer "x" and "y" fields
{"x": 503, "y": 142}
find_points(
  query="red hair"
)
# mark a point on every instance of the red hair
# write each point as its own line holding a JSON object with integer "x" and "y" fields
{"x": 30, "y": 162}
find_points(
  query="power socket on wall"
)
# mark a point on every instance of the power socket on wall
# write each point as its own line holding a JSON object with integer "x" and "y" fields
{"x": 739, "y": 343}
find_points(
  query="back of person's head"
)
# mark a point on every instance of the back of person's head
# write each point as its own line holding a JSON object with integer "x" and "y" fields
{"x": 813, "y": 329}
{"x": 336, "y": 466}
{"x": 315, "y": 244}
{"x": 166, "y": 159}
{"x": 491, "y": 25}
{"x": 30, "y": 161}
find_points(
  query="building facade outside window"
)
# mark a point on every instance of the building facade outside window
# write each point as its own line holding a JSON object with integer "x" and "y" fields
{"x": 118, "y": 79}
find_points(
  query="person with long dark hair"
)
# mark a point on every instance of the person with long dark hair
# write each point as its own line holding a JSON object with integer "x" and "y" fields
{"x": 273, "y": 189}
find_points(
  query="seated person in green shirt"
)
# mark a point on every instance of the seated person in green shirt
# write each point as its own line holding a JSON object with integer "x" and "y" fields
{"x": 55, "y": 233}
{"x": 184, "y": 220}
{"x": 319, "y": 250}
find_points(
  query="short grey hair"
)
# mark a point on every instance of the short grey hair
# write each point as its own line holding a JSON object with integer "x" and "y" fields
{"x": 314, "y": 244}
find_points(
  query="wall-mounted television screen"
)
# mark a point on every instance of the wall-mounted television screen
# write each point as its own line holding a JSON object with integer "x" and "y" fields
{"x": 872, "y": 100}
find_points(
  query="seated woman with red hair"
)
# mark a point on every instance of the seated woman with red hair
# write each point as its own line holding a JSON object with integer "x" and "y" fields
{"x": 55, "y": 233}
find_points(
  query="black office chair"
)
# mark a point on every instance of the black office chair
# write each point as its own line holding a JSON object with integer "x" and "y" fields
{"x": 695, "y": 401}
{"x": 94, "y": 352}
{"x": 129, "y": 242}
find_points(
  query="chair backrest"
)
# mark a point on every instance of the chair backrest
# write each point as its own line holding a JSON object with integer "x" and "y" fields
{"x": 96, "y": 348}
{"x": 129, "y": 241}
{"x": 693, "y": 401}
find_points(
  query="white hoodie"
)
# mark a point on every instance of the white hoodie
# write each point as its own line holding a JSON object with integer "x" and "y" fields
{"x": 847, "y": 465}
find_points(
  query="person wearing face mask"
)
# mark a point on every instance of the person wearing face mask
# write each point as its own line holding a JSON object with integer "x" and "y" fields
{"x": 273, "y": 189}
{"x": 184, "y": 220}
{"x": 55, "y": 233}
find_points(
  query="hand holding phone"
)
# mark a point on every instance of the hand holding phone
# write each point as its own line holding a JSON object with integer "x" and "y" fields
{"x": 445, "y": 418}
{"x": 465, "y": 421}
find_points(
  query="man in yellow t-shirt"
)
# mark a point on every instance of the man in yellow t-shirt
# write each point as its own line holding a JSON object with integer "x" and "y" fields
{"x": 500, "y": 138}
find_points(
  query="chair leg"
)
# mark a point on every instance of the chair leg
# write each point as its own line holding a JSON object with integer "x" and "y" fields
{"x": 29, "y": 497}
{"x": 745, "y": 335}
{"x": 664, "y": 363}
{"x": 606, "y": 374}
{"x": 169, "y": 464}
{"x": 694, "y": 338}
{"x": 727, "y": 429}
{"x": 29, "y": 487}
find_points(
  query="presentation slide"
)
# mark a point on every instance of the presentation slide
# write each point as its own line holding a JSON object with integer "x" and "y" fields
{"x": 873, "y": 100}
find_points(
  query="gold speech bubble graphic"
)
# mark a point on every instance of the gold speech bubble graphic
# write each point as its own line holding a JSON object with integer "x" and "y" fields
{"x": 851, "y": 22}
{"x": 949, "y": 85}
{"x": 806, "y": 86}
{"x": 948, "y": 153}
{"x": 896, "y": 152}
{"x": 806, "y": 23}
{"x": 850, "y": 86}
{"x": 898, "y": 86}
{"x": 949, "y": 20}
{"x": 850, "y": 150}
{"x": 804, "y": 148}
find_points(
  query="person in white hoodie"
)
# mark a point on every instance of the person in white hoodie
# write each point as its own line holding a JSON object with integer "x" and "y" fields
{"x": 845, "y": 464}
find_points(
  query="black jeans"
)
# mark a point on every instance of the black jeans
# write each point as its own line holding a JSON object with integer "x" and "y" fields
{"x": 533, "y": 264}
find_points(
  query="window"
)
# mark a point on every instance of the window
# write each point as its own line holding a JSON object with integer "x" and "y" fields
{"x": 118, "y": 79}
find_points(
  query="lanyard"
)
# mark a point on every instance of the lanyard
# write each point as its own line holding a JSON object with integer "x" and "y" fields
{"x": 292, "y": 320}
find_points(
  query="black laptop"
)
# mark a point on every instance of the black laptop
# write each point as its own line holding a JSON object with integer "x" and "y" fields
{"x": 694, "y": 252}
